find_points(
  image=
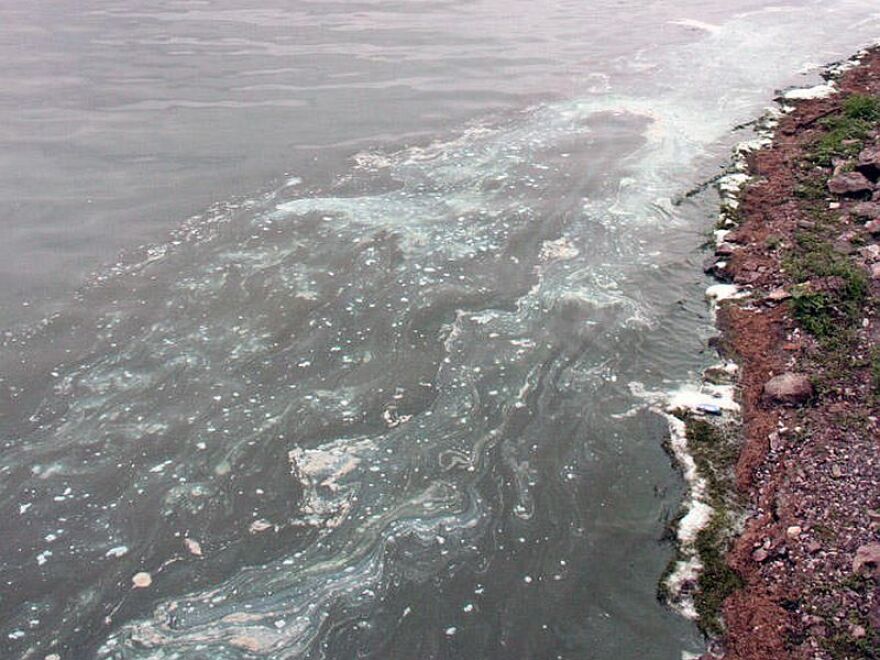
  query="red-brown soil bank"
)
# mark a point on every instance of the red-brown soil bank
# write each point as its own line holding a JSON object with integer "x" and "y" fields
{"x": 807, "y": 247}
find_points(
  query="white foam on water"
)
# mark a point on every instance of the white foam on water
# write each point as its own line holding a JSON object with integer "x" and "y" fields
{"x": 822, "y": 91}
{"x": 697, "y": 25}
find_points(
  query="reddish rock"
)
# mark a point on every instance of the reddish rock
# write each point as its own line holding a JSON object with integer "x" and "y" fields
{"x": 873, "y": 226}
{"x": 869, "y": 162}
{"x": 791, "y": 389}
{"x": 867, "y": 555}
{"x": 850, "y": 184}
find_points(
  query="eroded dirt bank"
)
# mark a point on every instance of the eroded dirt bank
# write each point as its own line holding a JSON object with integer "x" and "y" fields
{"x": 804, "y": 244}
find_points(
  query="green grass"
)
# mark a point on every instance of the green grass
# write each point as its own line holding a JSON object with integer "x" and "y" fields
{"x": 773, "y": 241}
{"x": 717, "y": 580}
{"x": 839, "y": 643}
{"x": 715, "y": 454}
{"x": 826, "y": 315}
{"x": 843, "y": 646}
{"x": 846, "y": 131}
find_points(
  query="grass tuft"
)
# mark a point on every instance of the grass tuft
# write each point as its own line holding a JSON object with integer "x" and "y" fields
{"x": 827, "y": 315}
{"x": 847, "y": 130}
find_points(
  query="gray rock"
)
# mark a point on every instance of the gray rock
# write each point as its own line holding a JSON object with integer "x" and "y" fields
{"x": 725, "y": 249}
{"x": 866, "y": 210}
{"x": 718, "y": 375}
{"x": 870, "y": 252}
{"x": 853, "y": 184}
{"x": 869, "y": 162}
{"x": 873, "y": 226}
{"x": 791, "y": 389}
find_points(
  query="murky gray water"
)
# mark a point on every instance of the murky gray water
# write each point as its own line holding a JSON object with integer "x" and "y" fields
{"x": 372, "y": 396}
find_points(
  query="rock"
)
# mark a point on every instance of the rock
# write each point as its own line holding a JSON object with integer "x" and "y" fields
{"x": 776, "y": 441}
{"x": 715, "y": 266}
{"x": 778, "y": 295}
{"x": 857, "y": 632}
{"x": 836, "y": 472}
{"x": 789, "y": 389}
{"x": 724, "y": 249}
{"x": 793, "y": 532}
{"x": 870, "y": 252}
{"x": 866, "y": 210}
{"x": 873, "y": 226}
{"x": 875, "y": 272}
{"x": 719, "y": 375}
{"x": 850, "y": 184}
{"x": 760, "y": 555}
{"x": 141, "y": 580}
{"x": 844, "y": 247}
{"x": 869, "y": 162}
{"x": 813, "y": 547}
{"x": 867, "y": 555}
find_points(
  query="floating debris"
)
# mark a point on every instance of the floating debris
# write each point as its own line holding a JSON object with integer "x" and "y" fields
{"x": 709, "y": 409}
{"x": 141, "y": 580}
{"x": 194, "y": 547}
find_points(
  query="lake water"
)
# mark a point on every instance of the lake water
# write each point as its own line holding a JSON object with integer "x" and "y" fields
{"x": 334, "y": 317}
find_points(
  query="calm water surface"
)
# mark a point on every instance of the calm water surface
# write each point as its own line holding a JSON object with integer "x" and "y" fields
{"x": 329, "y": 316}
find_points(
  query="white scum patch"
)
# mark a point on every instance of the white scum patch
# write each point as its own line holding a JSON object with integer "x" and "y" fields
{"x": 721, "y": 235}
{"x": 718, "y": 292}
{"x": 822, "y": 91}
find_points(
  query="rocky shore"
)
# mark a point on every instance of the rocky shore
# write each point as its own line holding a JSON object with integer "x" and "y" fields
{"x": 791, "y": 558}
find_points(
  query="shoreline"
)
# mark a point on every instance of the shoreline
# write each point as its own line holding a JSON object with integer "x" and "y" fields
{"x": 778, "y": 547}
